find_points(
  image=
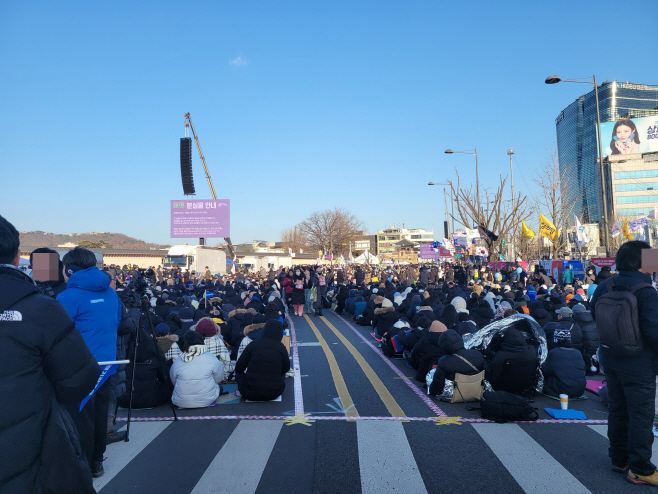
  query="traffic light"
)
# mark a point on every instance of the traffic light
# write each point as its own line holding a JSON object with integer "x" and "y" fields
{"x": 503, "y": 242}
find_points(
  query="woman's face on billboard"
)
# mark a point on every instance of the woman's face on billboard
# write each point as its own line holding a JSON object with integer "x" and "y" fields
{"x": 623, "y": 133}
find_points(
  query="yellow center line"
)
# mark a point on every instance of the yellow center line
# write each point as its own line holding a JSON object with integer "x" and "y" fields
{"x": 390, "y": 403}
{"x": 341, "y": 387}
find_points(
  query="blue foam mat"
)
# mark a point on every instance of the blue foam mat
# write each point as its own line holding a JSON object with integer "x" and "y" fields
{"x": 558, "y": 413}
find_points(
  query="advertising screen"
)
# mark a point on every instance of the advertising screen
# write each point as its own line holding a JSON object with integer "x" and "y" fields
{"x": 200, "y": 218}
{"x": 630, "y": 136}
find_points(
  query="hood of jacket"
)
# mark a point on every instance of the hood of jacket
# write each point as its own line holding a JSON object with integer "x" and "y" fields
{"x": 91, "y": 279}
{"x": 383, "y": 310}
{"x": 450, "y": 342}
{"x": 254, "y": 331}
{"x": 514, "y": 341}
{"x": 15, "y": 285}
{"x": 583, "y": 317}
{"x": 415, "y": 301}
{"x": 352, "y": 293}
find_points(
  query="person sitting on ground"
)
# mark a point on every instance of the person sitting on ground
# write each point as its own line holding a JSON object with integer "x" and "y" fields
{"x": 514, "y": 347}
{"x": 482, "y": 314}
{"x": 564, "y": 321}
{"x": 262, "y": 366}
{"x": 427, "y": 350}
{"x": 452, "y": 362}
{"x": 213, "y": 342}
{"x": 385, "y": 317}
{"x": 583, "y": 318}
{"x": 196, "y": 374}
{"x": 564, "y": 368}
{"x": 409, "y": 340}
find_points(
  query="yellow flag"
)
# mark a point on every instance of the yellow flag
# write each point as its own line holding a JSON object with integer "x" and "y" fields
{"x": 625, "y": 232}
{"x": 526, "y": 231}
{"x": 548, "y": 229}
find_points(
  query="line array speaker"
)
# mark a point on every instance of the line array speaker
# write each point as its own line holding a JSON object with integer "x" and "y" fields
{"x": 186, "y": 166}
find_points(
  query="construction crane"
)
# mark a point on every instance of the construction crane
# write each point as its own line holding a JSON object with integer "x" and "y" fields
{"x": 229, "y": 245}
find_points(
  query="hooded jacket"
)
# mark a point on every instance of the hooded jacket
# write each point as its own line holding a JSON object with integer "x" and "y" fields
{"x": 385, "y": 318}
{"x": 424, "y": 353}
{"x": 452, "y": 344}
{"x": 539, "y": 313}
{"x": 482, "y": 315}
{"x": 564, "y": 373}
{"x": 196, "y": 382}
{"x": 589, "y": 333}
{"x": 95, "y": 309}
{"x": 261, "y": 368}
{"x": 514, "y": 347}
{"x": 45, "y": 362}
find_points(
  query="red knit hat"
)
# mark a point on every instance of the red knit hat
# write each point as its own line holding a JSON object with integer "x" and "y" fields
{"x": 206, "y": 328}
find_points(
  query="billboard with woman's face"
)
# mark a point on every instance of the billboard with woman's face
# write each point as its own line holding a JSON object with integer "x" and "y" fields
{"x": 630, "y": 136}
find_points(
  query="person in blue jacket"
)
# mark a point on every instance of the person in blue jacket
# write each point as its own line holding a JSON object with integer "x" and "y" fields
{"x": 96, "y": 311}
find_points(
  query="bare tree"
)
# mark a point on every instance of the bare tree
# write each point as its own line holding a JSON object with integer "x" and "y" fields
{"x": 496, "y": 214}
{"x": 293, "y": 238}
{"x": 329, "y": 231}
{"x": 556, "y": 201}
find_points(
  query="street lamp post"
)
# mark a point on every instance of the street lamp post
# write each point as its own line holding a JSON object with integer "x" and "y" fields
{"x": 477, "y": 177}
{"x": 553, "y": 79}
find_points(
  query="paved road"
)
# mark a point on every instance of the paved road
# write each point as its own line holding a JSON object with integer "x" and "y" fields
{"x": 352, "y": 421}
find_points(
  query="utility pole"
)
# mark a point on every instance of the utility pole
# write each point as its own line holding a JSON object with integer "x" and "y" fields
{"x": 511, "y": 152}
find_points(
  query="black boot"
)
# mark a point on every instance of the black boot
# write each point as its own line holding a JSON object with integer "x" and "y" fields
{"x": 97, "y": 469}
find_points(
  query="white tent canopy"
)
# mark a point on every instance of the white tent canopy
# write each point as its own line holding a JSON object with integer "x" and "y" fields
{"x": 366, "y": 258}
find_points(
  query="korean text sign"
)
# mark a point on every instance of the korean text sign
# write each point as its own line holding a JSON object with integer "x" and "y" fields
{"x": 200, "y": 218}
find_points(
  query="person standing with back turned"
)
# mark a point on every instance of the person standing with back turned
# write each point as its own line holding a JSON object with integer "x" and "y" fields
{"x": 45, "y": 365}
{"x": 625, "y": 308}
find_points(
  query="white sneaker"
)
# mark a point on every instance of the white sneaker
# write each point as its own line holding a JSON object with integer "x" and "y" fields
{"x": 290, "y": 373}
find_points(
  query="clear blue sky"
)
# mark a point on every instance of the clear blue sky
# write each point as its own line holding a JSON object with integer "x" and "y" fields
{"x": 299, "y": 106}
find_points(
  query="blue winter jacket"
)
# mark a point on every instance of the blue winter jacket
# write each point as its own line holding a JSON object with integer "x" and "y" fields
{"x": 95, "y": 309}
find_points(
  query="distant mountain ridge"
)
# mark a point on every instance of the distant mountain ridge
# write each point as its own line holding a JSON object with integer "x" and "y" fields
{"x": 117, "y": 240}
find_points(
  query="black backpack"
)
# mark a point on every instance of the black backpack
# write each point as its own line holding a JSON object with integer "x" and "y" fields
{"x": 501, "y": 406}
{"x": 617, "y": 320}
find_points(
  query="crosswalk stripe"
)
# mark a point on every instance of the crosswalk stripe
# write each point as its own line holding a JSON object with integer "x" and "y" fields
{"x": 240, "y": 463}
{"x": 120, "y": 454}
{"x": 603, "y": 430}
{"x": 533, "y": 468}
{"x": 385, "y": 459}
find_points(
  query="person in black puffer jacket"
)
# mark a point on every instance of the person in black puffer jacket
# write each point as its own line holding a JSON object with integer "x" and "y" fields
{"x": 424, "y": 311}
{"x": 152, "y": 386}
{"x": 408, "y": 341}
{"x": 385, "y": 317}
{"x": 46, "y": 364}
{"x": 427, "y": 351}
{"x": 452, "y": 344}
{"x": 603, "y": 275}
{"x": 564, "y": 368}
{"x": 565, "y": 321}
{"x": 262, "y": 366}
{"x": 590, "y": 335}
{"x": 514, "y": 347}
{"x": 482, "y": 314}
{"x": 539, "y": 313}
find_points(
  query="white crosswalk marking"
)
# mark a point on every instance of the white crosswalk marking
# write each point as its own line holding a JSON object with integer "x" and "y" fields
{"x": 532, "y": 466}
{"x": 240, "y": 463}
{"x": 120, "y": 454}
{"x": 385, "y": 459}
{"x": 603, "y": 430}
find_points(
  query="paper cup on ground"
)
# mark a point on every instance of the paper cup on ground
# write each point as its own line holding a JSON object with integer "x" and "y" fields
{"x": 564, "y": 401}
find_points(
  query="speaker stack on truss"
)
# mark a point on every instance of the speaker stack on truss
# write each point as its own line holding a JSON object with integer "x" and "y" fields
{"x": 186, "y": 166}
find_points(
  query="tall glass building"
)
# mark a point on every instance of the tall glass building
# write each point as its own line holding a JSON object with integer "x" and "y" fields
{"x": 577, "y": 144}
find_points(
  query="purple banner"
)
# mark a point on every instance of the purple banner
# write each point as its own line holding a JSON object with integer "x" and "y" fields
{"x": 200, "y": 218}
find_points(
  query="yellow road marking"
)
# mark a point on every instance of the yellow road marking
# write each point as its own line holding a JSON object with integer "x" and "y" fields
{"x": 341, "y": 387}
{"x": 390, "y": 403}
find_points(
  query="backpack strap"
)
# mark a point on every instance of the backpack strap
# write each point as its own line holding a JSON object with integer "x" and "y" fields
{"x": 639, "y": 286}
{"x": 472, "y": 366}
